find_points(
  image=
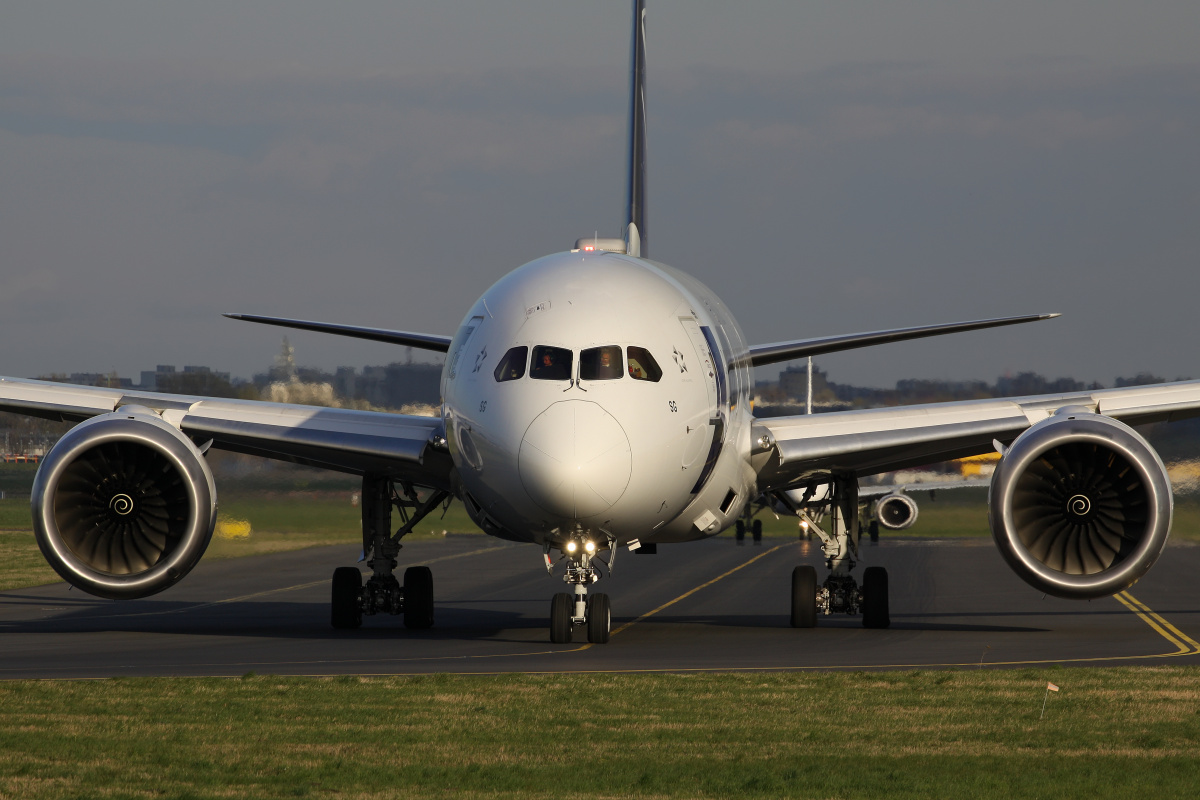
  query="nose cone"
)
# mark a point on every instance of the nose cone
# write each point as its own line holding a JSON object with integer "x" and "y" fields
{"x": 575, "y": 460}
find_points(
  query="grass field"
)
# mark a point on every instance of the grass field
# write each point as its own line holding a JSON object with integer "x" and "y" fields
{"x": 1122, "y": 733}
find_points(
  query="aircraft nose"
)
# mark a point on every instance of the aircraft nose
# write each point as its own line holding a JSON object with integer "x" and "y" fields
{"x": 575, "y": 459}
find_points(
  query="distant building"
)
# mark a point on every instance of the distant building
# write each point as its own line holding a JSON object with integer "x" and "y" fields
{"x": 391, "y": 386}
{"x": 793, "y": 382}
{"x": 164, "y": 378}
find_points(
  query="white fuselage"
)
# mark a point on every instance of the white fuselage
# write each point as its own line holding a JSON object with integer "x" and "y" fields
{"x": 626, "y": 415}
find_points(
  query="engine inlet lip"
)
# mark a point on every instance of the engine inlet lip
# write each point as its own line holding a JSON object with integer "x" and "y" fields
{"x": 1085, "y": 429}
{"x": 148, "y": 431}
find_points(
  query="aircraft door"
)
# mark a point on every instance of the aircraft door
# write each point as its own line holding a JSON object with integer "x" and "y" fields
{"x": 708, "y": 427}
{"x": 715, "y": 351}
{"x": 459, "y": 345}
{"x": 707, "y": 371}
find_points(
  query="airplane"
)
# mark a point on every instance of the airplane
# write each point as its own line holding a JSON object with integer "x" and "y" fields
{"x": 595, "y": 399}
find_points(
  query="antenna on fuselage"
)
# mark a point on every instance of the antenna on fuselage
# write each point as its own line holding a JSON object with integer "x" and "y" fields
{"x": 635, "y": 206}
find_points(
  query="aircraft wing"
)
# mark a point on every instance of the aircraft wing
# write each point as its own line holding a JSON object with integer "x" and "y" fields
{"x": 882, "y": 490}
{"x": 402, "y": 446}
{"x": 883, "y": 439}
{"x": 762, "y": 354}
{"x": 425, "y": 341}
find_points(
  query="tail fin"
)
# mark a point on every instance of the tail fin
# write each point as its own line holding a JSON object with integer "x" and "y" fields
{"x": 635, "y": 210}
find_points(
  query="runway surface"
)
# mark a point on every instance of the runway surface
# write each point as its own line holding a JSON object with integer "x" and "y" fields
{"x": 703, "y": 606}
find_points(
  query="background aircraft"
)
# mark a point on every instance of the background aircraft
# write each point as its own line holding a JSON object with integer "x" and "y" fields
{"x": 594, "y": 399}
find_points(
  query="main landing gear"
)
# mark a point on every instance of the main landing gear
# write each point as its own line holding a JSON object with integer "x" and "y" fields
{"x": 569, "y": 610}
{"x": 754, "y": 527}
{"x": 382, "y": 593}
{"x": 840, "y": 593}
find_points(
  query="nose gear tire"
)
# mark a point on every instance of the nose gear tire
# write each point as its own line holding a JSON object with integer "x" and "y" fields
{"x": 561, "y": 607}
{"x": 804, "y": 597}
{"x": 599, "y": 618}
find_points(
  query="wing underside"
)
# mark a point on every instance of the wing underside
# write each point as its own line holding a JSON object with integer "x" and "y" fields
{"x": 402, "y": 446}
{"x": 804, "y": 447}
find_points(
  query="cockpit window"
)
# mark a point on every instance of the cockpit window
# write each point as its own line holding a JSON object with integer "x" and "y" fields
{"x": 550, "y": 363}
{"x": 600, "y": 363}
{"x": 512, "y": 366}
{"x": 642, "y": 366}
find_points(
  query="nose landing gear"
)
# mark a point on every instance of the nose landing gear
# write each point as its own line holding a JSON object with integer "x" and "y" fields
{"x": 581, "y": 609}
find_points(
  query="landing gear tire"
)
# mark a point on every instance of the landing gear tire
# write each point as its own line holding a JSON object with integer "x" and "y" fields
{"x": 740, "y": 532}
{"x": 756, "y": 531}
{"x": 418, "y": 598}
{"x": 344, "y": 611}
{"x": 875, "y": 598}
{"x": 599, "y": 618}
{"x": 562, "y": 606}
{"x": 804, "y": 597}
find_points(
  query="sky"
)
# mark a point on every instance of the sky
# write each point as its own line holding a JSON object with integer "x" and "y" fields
{"x": 825, "y": 167}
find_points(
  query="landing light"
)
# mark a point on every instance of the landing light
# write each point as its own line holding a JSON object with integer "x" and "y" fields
{"x": 571, "y": 547}
{"x": 590, "y": 547}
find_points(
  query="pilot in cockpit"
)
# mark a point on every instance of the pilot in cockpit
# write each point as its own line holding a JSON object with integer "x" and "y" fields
{"x": 551, "y": 368}
{"x": 607, "y": 370}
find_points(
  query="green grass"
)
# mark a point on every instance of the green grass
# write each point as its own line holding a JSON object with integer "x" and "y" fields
{"x": 1132, "y": 732}
{"x": 21, "y": 563}
{"x": 298, "y": 519}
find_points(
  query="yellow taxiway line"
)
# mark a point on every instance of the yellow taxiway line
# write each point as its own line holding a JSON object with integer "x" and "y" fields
{"x": 1186, "y": 644}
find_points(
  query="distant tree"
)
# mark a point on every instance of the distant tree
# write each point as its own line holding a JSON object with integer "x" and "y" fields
{"x": 209, "y": 384}
{"x": 1141, "y": 379}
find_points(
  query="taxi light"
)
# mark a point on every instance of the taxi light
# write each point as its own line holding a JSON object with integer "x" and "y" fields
{"x": 571, "y": 547}
{"x": 590, "y": 547}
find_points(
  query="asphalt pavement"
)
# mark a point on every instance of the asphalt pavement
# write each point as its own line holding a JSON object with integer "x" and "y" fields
{"x": 708, "y": 605}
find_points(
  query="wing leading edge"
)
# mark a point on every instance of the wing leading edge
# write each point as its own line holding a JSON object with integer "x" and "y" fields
{"x": 402, "y": 446}
{"x": 883, "y": 439}
{"x": 424, "y": 341}
{"x": 763, "y": 354}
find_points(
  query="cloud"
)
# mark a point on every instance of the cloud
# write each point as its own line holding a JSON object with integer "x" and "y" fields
{"x": 158, "y": 193}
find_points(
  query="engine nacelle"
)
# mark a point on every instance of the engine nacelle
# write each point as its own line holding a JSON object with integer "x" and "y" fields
{"x": 1080, "y": 505}
{"x": 896, "y": 512}
{"x": 124, "y": 505}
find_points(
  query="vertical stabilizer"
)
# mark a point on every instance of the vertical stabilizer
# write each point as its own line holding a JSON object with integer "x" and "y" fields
{"x": 635, "y": 203}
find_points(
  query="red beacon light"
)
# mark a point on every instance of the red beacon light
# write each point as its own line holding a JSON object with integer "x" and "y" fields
{"x": 594, "y": 244}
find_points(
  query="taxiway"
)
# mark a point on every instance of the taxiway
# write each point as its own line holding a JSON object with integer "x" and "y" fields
{"x": 704, "y": 606}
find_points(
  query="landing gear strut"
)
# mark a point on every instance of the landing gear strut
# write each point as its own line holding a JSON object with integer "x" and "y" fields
{"x": 382, "y": 593}
{"x": 840, "y": 593}
{"x": 581, "y": 609}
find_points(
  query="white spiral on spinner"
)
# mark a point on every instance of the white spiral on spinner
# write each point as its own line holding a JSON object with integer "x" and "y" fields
{"x": 1079, "y": 505}
{"x": 121, "y": 504}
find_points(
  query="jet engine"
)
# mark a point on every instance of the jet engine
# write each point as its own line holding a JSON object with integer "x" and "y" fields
{"x": 1080, "y": 505}
{"x": 124, "y": 505}
{"x": 896, "y": 512}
